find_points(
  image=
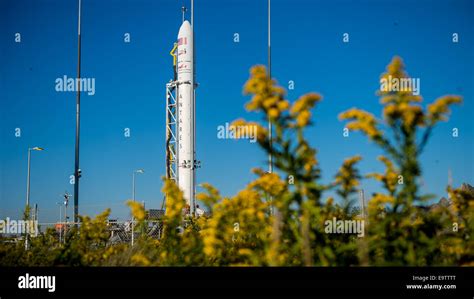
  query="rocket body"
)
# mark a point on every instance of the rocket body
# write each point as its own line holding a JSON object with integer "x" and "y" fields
{"x": 186, "y": 130}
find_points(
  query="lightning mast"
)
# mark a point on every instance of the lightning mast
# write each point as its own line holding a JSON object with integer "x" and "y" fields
{"x": 78, "y": 120}
{"x": 270, "y": 129}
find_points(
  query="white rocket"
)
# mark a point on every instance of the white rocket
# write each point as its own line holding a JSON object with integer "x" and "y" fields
{"x": 186, "y": 113}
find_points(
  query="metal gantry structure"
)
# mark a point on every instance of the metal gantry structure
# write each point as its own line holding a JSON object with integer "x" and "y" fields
{"x": 172, "y": 127}
{"x": 171, "y": 131}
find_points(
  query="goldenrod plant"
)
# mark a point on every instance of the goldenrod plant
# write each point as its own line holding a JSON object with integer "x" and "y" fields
{"x": 283, "y": 218}
{"x": 400, "y": 231}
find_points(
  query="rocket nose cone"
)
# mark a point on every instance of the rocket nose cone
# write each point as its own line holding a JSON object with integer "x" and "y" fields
{"x": 185, "y": 28}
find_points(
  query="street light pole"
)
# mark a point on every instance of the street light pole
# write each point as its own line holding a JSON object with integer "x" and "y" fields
{"x": 66, "y": 201}
{"x": 28, "y": 184}
{"x": 65, "y": 220}
{"x": 133, "y": 186}
{"x": 27, "y": 211}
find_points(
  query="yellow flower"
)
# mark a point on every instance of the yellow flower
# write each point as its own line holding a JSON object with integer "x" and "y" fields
{"x": 261, "y": 132}
{"x": 140, "y": 260}
{"x": 174, "y": 200}
{"x": 283, "y": 105}
{"x": 378, "y": 202}
{"x": 273, "y": 113}
{"x": 239, "y": 222}
{"x": 412, "y": 116}
{"x": 396, "y": 66}
{"x": 348, "y": 175}
{"x": 390, "y": 178}
{"x": 349, "y": 162}
{"x": 310, "y": 163}
{"x": 245, "y": 251}
{"x": 277, "y": 89}
{"x": 303, "y": 118}
{"x": 396, "y": 71}
{"x": 269, "y": 183}
{"x": 266, "y": 95}
{"x": 211, "y": 197}
{"x": 363, "y": 121}
{"x": 138, "y": 211}
{"x": 305, "y": 102}
{"x": 391, "y": 112}
{"x": 270, "y": 101}
{"x": 439, "y": 110}
{"x": 330, "y": 201}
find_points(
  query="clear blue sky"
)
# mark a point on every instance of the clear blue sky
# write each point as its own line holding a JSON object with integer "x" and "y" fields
{"x": 130, "y": 88}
